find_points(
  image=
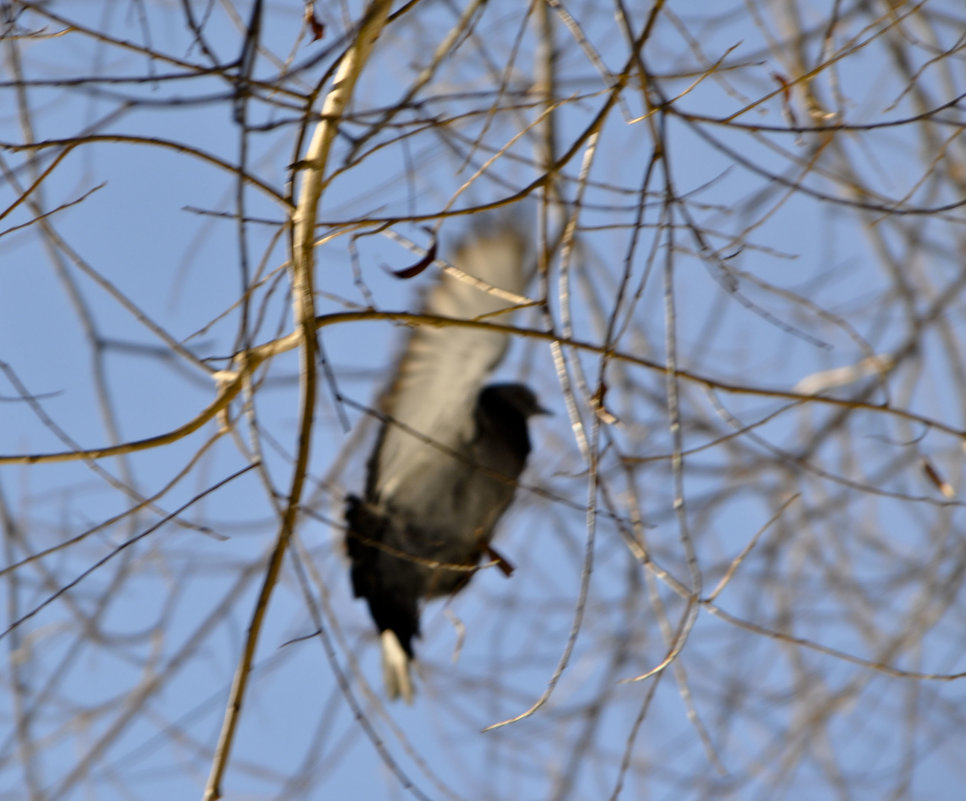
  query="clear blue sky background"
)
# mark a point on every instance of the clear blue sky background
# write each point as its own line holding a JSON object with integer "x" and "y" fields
{"x": 151, "y": 603}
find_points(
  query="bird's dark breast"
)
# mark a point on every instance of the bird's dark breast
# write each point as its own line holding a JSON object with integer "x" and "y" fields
{"x": 503, "y": 442}
{"x": 429, "y": 542}
{"x": 397, "y": 562}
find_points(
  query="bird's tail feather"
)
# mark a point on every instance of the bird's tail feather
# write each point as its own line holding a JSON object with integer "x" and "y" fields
{"x": 395, "y": 668}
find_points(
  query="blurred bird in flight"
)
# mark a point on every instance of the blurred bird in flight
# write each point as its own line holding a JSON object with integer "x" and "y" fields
{"x": 449, "y": 452}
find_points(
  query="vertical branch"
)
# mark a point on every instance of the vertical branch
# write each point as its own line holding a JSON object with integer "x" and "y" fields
{"x": 303, "y": 306}
{"x": 20, "y": 660}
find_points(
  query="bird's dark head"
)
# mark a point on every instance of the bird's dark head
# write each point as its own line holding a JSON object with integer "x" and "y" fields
{"x": 516, "y": 397}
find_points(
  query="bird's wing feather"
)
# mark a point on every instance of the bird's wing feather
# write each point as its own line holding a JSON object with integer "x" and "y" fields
{"x": 443, "y": 368}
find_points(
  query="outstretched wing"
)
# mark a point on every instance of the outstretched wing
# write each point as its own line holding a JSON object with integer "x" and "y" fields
{"x": 429, "y": 405}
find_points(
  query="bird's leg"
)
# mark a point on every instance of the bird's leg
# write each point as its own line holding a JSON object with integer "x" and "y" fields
{"x": 506, "y": 567}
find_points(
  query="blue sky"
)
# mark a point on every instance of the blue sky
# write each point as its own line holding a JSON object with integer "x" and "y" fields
{"x": 126, "y": 674}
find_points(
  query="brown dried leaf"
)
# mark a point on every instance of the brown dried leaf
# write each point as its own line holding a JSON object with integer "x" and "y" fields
{"x": 315, "y": 24}
{"x": 419, "y": 266}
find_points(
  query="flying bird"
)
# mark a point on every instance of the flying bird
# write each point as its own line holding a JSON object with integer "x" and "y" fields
{"x": 448, "y": 454}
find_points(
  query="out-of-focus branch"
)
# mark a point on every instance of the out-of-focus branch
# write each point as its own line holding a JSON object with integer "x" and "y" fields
{"x": 232, "y": 382}
{"x": 303, "y": 302}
